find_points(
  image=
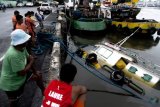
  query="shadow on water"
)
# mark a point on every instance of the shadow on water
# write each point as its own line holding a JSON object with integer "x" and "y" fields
{"x": 87, "y": 40}
{"x": 138, "y": 42}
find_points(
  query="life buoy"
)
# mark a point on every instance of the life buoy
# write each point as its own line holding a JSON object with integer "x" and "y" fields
{"x": 117, "y": 77}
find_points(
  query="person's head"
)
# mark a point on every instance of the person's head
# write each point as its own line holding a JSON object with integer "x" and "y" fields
{"x": 38, "y": 9}
{"x": 32, "y": 13}
{"x": 19, "y": 38}
{"x": 28, "y": 14}
{"x": 16, "y": 12}
{"x": 68, "y": 72}
{"x": 19, "y": 19}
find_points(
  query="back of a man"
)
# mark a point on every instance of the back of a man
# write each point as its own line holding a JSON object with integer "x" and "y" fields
{"x": 14, "y": 20}
{"x": 11, "y": 57}
{"x": 61, "y": 93}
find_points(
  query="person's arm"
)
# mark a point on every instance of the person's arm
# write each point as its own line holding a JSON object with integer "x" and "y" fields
{"x": 30, "y": 61}
{"x": 78, "y": 91}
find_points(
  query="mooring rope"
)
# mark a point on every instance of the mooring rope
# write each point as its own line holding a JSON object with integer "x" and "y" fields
{"x": 111, "y": 92}
{"x": 121, "y": 42}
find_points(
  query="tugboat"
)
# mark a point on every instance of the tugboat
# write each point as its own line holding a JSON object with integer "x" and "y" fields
{"x": 125, "y": 9}
{"x": 84, "y": 20}
{"x": 123, "y": 18}
{"x": 121, "y": 8}
{"x": 143, "y": 26}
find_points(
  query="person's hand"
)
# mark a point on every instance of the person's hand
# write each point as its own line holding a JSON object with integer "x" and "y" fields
{"x": 31, "y": 58}
{"x": 37, "y": 75}
{"x": 33, "y": 40}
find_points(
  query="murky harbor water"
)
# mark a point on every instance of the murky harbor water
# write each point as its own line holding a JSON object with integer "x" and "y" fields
{"x": 147, "y": 48}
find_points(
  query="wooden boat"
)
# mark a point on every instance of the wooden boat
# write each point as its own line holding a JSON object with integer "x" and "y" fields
{"x": 128, "y": 26}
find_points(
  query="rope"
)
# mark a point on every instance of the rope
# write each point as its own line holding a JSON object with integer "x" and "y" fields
{"x": 111, "y": 92}
{"x": 120, "y": 43}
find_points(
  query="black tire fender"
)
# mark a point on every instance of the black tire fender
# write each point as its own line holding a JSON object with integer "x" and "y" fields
{"x": 117, "y": 77}
{"x": 119, "y": 27}
{"x": 139, "y": 29}
{"x": 152, "y": 30}
{"x": 158, "y": 32}
{"x": 114, "y": 26}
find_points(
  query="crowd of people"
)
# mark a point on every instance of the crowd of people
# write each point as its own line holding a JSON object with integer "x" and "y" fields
{"x": 18, "y": 68}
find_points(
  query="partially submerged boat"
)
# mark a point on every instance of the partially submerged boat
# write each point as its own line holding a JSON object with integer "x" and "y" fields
{"x": 117, "y": 68}
{"x": 110, "y": 57}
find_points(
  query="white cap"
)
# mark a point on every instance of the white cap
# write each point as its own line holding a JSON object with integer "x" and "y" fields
{"x": 18, "y": 37}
